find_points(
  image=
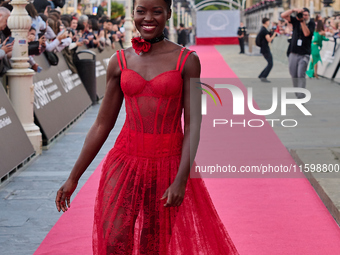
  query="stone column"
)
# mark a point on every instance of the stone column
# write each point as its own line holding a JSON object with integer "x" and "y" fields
{"x": 128, "y": 25}
{"x": 172, "y": 30}
{"x": 20, "y": 78}
{"x": 109, "y": 9}
{"x": 311, "y": 9}
{"x": 178, "y": 14}
{"x": 65, "y": 8}
{"x": 275, "y": 14}
{"x": 75, "y": 5}
{"x": 182, "y": 17}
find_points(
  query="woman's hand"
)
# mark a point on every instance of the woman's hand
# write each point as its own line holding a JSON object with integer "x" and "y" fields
{"x": 64, "y": 194}
{"x": 175, "y": 194}
{"x": 62, "y": 36}
{"x": 42, "y": 41}
{"x": 78, "y": 43}
{"x": 35, "y": 67}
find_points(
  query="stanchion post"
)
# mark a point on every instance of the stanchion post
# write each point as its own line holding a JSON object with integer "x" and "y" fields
{"x": 20, "y": 77}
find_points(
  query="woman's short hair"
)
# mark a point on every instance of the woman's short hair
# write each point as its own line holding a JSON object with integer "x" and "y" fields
{"x": 168, "y": 3}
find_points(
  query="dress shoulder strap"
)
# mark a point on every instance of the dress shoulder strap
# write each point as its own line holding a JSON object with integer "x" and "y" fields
{"x": 179, "y": 58}
{"x": 119, "y": 61}
{"x": 185, "y": 58}
{"x": 118, "y": 57}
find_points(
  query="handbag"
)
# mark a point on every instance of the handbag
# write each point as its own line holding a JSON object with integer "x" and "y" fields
{"x": 52, "y": 58}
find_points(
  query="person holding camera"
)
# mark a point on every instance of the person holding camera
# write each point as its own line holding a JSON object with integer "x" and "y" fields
{"x": 300, "y": 48}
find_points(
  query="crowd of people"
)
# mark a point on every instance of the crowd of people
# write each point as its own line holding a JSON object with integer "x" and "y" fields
{"x": 305, "y": 36}
{"x": 52, "y": 32}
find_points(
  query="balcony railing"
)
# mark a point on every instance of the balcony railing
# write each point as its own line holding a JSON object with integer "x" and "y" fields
{"x": 263, "y": 5}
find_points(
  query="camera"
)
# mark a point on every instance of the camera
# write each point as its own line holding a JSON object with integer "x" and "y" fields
{"x": 299, "y": 15}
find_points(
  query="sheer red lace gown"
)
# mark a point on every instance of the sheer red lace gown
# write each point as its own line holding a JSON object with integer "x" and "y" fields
{"x": 129, "y": 216}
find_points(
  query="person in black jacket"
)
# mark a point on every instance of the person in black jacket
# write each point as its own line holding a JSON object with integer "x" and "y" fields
{"x": 241, "y": 33}
{"x": 182, "y": 35}
{"x": 100, "y": 10}
{"x": 265, "y": 37}
{"x": 40, "y": 5}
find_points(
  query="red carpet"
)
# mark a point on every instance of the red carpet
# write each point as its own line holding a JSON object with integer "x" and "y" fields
{"x": 262, "y": 215}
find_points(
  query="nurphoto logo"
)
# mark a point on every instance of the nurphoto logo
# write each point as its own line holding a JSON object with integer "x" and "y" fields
{"x": 238, "y": 103}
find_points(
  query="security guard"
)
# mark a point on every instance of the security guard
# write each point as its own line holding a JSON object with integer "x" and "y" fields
{"x": 241, "y": 33}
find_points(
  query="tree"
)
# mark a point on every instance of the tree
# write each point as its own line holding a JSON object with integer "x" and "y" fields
{"x": 117, "y": 10}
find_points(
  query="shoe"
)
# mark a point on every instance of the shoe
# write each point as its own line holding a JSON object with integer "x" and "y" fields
{"x": 241, "y": 53}
{"x": 264, "y": 80}
{"x": 100, "y": 47}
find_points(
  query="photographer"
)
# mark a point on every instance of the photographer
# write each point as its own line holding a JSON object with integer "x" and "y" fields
{"x": 300, "y": 48}
{"x": 32, "y": 33}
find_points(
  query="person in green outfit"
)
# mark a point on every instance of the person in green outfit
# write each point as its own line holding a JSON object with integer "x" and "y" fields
{"x": 318, "y": 37}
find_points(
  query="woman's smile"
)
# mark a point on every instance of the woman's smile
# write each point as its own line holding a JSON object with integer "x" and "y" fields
{"x": 148, "y": 28}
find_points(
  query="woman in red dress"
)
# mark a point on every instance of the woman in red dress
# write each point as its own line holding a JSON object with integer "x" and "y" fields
{"x": 146, "y": 203}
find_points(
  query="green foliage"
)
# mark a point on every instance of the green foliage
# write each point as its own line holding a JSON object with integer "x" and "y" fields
{"x": 175, "y": 18}
{"x": 215, "y": 7}
{"x": 210, "y": 8}
{"x": 117, "y": 10}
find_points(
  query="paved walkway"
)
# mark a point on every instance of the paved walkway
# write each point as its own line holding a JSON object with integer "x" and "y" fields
{"x": 27, "y": 199}
{"x": 27, "y": 205}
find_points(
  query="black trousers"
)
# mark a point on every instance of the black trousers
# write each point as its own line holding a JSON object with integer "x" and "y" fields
{"x": 241, "y": 42}
{"x": 268, "y": 56}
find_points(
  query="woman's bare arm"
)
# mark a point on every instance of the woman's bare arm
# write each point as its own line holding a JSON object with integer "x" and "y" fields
{"x": 192, "y": 116}
{"x": 98, "y": 133}
{"x": 192, "y": 127}
{"x": 105, "y": 121}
